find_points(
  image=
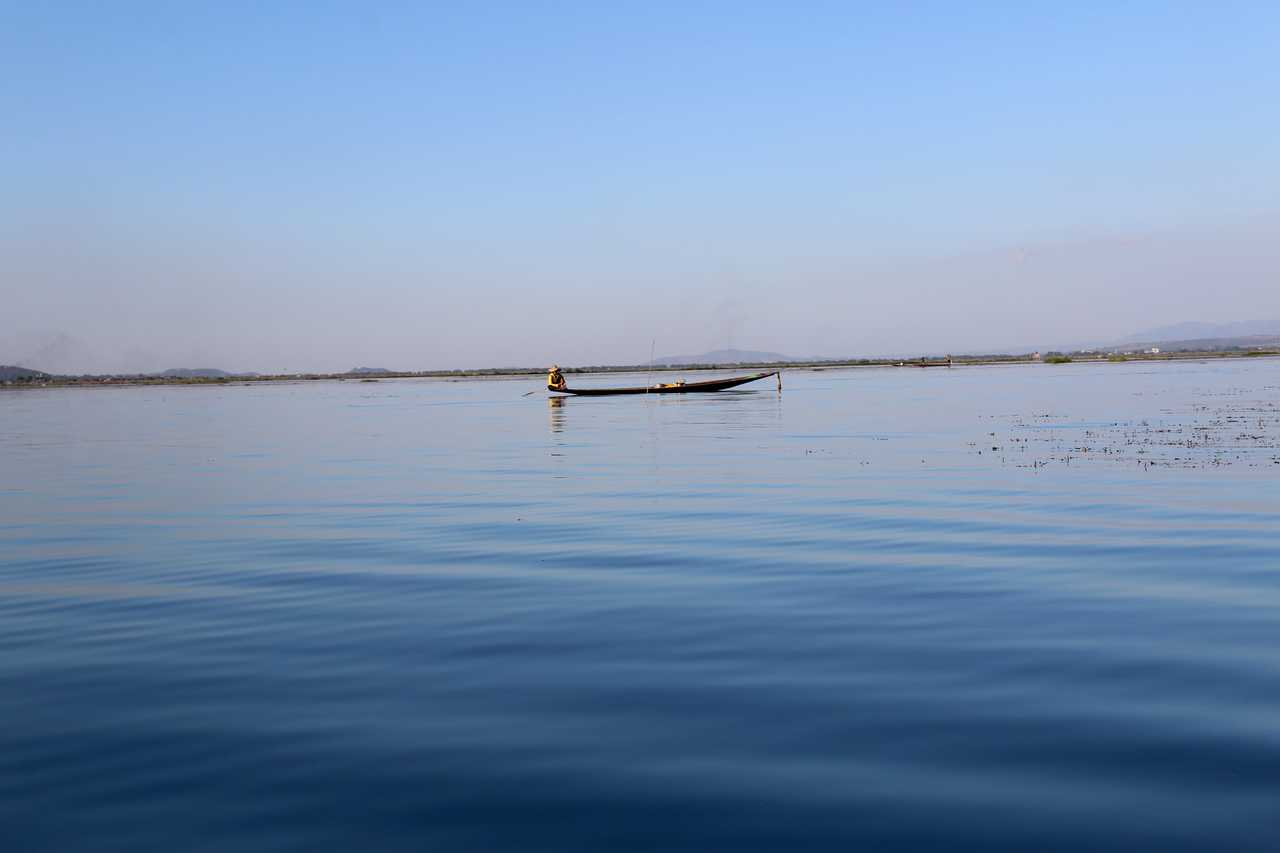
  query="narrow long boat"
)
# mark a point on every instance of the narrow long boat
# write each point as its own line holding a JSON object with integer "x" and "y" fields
{"x": 668, "y": 388}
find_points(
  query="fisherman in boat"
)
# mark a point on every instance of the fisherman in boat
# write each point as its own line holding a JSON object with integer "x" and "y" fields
{"x": 555, "y": 379}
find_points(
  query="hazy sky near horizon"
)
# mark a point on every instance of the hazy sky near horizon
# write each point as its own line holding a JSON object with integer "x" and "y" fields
{"x": 314, "y": 186}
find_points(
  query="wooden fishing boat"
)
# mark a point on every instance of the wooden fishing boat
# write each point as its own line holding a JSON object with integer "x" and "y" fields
{"x": 670, "y": 387}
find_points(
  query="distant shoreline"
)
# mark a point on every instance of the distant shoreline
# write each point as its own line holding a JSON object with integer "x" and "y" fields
{"x": 91, "y": 381}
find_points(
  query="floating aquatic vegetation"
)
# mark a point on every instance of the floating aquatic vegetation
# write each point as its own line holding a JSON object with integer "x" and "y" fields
{"x": 1224, "y": 427}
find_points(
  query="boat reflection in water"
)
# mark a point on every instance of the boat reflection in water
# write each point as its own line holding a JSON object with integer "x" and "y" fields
{"x": 557, "y": 413}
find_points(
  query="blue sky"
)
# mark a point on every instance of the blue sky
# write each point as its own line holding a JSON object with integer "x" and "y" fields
{"x": 432, "y": 185}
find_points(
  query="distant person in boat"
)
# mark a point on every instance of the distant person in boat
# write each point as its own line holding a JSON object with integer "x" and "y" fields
{"x": 555, "y": 379}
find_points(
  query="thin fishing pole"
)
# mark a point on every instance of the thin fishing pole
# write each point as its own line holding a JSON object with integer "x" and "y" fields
{"x": 649, "y": 383}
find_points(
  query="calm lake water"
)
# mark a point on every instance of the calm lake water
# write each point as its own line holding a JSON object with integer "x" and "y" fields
{"x": 1019, "y": 608}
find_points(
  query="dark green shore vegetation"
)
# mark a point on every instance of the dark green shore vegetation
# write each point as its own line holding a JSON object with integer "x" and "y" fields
{"x": 21, "y": 377}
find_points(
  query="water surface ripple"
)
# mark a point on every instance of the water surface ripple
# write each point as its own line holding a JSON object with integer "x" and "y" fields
{"x": 1029, "y": 607}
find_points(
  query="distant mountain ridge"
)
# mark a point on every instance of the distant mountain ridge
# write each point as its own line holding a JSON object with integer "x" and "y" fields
{"x": 1198, "y": 331}
{"x": 1199, "y": 336}
{"x": 724, "y": 356}
{"x": 195, "y": 373}
{"x": 55, "y": 352}
{"x": 1202, "y": 344}
{"x": 11, "y": 372}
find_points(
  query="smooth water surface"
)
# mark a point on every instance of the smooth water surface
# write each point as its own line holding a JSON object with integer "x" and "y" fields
{"x": 1025, "y": 607}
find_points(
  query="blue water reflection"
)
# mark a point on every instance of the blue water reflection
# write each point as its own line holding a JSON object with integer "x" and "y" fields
{"x": 1007, "y": 608}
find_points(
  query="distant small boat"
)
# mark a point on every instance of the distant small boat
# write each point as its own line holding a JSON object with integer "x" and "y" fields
{"x": 669, "y": 387}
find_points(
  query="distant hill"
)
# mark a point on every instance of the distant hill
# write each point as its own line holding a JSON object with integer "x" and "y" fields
{"x": 56, "y": 352}
{"x": 1179, "y": 337}
{"x": 196, "y": 373}
{"x": 369, "y": 370}
{"x": 10, "y": 373}
{"x": 1203, "y": 344}
{"x": 724, "y": 356}
{"x": 1196, "y": 331}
